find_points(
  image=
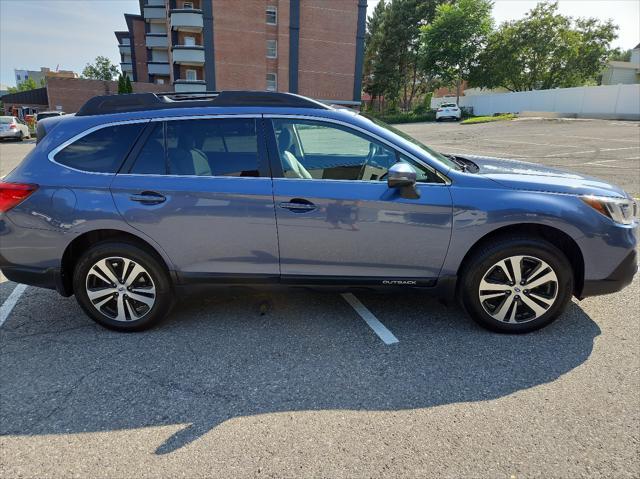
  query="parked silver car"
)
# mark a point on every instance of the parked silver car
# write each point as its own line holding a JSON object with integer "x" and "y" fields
{"x": 12, "y": 127}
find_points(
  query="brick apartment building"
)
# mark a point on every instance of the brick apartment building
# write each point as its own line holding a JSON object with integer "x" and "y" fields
{"x": 311, "y": 47}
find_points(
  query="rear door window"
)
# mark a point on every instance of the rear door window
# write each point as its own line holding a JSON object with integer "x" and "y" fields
{"x": 101, "y": 151}
{"x": 211, "y": 147}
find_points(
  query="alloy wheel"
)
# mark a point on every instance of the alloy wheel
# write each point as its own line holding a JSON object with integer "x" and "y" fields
{"x": 518, "y": 289}
{"x": 120, "y": 289}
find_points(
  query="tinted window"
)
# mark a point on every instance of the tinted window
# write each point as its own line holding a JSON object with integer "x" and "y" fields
{"x": 102, "y": 151}
{"x": 151, "y": 159}
{"x": 42, "y": 116}
{"x": 216, "y": 147}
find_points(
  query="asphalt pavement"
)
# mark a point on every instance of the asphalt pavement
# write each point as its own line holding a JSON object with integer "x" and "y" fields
{"x": 300, "y": 384}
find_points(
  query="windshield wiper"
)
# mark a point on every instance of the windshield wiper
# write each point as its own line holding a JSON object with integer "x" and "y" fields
{"x": 463, "y": 166}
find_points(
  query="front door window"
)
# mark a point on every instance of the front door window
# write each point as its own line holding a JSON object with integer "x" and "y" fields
{"x": 317, "y": 150}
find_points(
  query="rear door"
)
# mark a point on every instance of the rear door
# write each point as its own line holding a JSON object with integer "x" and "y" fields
{"x": 201, "y": 188}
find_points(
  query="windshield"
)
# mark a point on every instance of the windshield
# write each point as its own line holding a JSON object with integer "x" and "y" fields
{"x": 428, "y": 151}
{"x": 42, "y": 116}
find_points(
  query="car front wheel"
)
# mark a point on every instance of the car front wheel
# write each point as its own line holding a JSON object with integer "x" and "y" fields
{"x": 122, "y": 287}
{"x": 517, "y": 285}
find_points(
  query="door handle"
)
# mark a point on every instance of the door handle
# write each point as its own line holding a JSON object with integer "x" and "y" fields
{"x": 298, "y": 205}
{"x": 148, "y": 198}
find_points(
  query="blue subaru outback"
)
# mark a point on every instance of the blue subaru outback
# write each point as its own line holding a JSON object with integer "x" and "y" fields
{"x": 137, "y": 197}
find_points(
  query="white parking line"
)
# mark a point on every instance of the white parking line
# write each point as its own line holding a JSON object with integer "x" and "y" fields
{"x": 11, "y": 301}
{"x": 378, "y": 328}
{"x": 565, "y": 153}
{"x": 527, "y": 143}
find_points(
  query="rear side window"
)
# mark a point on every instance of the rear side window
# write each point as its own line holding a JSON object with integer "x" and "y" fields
{"x": 212, "y": 147}
{"x": 101, "y": 151}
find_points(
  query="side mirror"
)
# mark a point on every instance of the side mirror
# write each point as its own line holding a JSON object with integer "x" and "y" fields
{"x": 403, "y": 177}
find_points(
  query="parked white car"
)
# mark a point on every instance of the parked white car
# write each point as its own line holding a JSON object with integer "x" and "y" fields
{"x": 12, "y": 127}
{"x": 448, "y": 110}
{"x": 48, "y": 114}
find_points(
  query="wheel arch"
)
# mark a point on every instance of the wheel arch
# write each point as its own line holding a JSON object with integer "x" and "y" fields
{"x": 555, "y": 236}
{"x": 84, "y": 241}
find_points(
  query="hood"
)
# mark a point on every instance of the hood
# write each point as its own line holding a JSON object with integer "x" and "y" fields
{"x": 523, "y": 175}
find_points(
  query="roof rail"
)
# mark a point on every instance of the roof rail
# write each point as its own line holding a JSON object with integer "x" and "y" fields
{"x": 102, "y": 105}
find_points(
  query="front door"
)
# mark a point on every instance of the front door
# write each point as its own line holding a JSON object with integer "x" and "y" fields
{"x": 338, "y": 220}
{"x": 200, "y": 189}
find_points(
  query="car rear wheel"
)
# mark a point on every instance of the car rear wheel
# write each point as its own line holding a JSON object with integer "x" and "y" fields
{"x": 516, "y": 285}
{"x": 122, "y": 287}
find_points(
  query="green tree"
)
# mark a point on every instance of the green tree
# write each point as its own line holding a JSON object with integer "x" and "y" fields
{"x": 373, "y": 83}
{"x": 101, "y": 69}
{"x": 127, "y": 84}
{"x": 392, "y": 50}
{"x": 620, "y": 55}
{"x": 451, "y": 44}
{"x": 122, "y": 87}
{"x": 544, "y": 50}
{"x": 28, "y": 84}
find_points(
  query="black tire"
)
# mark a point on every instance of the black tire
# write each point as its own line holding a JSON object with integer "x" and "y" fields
{"x": 486, "y": 257}
{"x": 164, "y": 297}
{"x": 21, "y": 137}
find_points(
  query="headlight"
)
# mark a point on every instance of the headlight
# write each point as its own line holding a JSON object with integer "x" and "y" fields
{"x": 623, "y": 211}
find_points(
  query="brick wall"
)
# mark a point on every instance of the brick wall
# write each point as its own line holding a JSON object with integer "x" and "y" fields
{"x": 240, "y": 34}
{"x": 327, "y": 48}
{"x": 72, "y": 93}
{"x": 140, "y": 48}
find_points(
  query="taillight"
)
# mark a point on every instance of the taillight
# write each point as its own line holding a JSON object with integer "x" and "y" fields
{"x": 13, "y": 126}
{"x": 12, "y": 194}
{"x": 439, "y": 109}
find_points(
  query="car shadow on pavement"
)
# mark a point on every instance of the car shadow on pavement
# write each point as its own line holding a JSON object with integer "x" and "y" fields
{"x": 236, "y": 354}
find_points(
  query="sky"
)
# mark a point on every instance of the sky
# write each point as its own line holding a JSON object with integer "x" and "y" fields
{"x": 71, "y": 33}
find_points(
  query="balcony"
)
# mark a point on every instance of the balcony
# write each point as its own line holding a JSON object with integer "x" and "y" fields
{"x": 188, "y": 86}
{"x": 158, "y": 68}
{"x": 188, "y": 55}
{"x": 186, "y": 20}
{"x": 157, "y": 40}
{"x": 155, "y": 13}
{"x": 126, "y": 67}
{"x": 125, "y": 49}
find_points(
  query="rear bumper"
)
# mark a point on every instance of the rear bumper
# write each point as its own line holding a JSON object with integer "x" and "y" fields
{"x": 10, "y": 134}
{"x": 49, "y": 278}
{"x": 617, "y": 280}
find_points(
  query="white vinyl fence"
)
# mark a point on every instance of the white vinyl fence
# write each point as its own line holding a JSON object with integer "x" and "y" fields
{"x": 606, "y": 101}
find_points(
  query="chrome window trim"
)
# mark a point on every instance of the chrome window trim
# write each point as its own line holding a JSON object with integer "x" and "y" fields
{"x": 82, "y": 134}
{"x": 445, "y": 178}
{"x": 211, "y": 177}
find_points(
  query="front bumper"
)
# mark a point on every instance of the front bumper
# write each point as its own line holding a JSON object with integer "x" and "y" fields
{"x": 617, "y": 280}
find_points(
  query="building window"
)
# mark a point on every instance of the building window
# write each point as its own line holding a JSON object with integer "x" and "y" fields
{"x": 272, "y": 48}
{"x": 272, "y": 82}
{"x": 190, "y": 41}
{"x": 160, "y": 81}
{"x": 272, "y": 16}
{"x": 191, "y": 75}
{"x": 188, "y": 5}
